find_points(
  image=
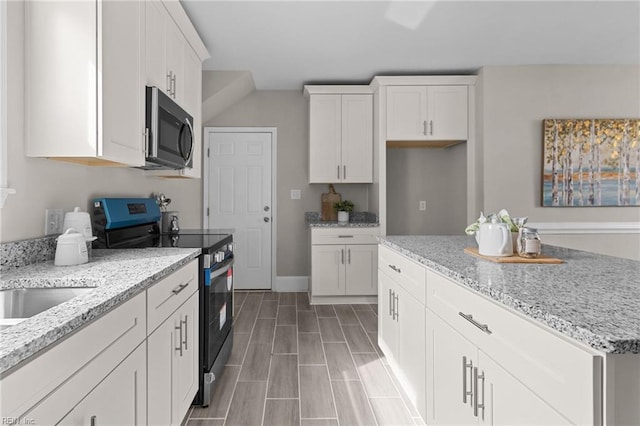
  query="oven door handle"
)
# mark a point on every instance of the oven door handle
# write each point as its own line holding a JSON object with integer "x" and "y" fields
{"x": 208, "y": 276}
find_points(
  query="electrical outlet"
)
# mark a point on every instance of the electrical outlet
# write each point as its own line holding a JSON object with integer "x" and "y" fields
{"x": 422, "y": 206}
{"x": 295, "y": 194}
{"x": 52, "y": 221}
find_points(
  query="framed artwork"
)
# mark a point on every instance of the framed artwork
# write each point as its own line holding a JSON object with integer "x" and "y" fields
{"x": 593, "y": 162}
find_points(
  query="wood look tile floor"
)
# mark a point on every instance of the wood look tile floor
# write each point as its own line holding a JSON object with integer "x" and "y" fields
{"x": 302, "y": 365}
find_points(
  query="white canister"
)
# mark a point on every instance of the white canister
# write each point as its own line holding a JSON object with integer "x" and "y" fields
{"x": 494, "y": 239}
{"x": 78, "y": 220}
{"x": 71, "y": 249}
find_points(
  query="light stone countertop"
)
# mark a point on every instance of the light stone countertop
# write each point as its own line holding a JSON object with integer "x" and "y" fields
{"x": 117, "y": 275}
{"x": 591, "y": 298}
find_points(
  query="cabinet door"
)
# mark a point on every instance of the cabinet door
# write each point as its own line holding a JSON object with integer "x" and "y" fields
{"x": 387, "y": 325}
{"x": 175, "y": 47}
{"x": 447, "y": 113}
{"x": 161, "y": 349}
{"x": 155, "y": 20}
{"x": 122, "y": 82}
{"x": 193, "y": 105}
{"x": 362, "y": 270}
{"x": 325, "y": 138}
{"x": 186, "y": 368}
{"x": 447, "y": 377}
{"x": 120, "y": 399}
{"x": 406, "y": 112}
{"x": 328, "y": 270}
{"x": 357, "y": 139}
{"x": 508, "y": 402}
{"x": 410, "y": 315}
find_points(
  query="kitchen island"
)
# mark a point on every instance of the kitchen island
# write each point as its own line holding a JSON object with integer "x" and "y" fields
{"x": 563, "y": 338}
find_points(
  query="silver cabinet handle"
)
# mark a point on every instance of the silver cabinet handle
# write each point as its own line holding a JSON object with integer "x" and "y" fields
{"x": 349, "y": 256}
{"x": 338, "y": 171}
{"x": 173, "y": 85}
{"x": 391, "y": 303}
{"x": 395, "y": 268}
{"x": 180, "y": 288}
{"x": 477, "y": 377}
{"x": 345, "y": 236}
{"x": 94, "y": 420}
{"x": 342, "y": 256}
{"x": 424, "y": 127}
{"x": 169, "y": 82}
{"x": 344, "y": 172}
{"x": 469, "y": 317}
{"x": 431, "y": 127}
{"x": 465, "y": 392}
{"x": 179, "y": 327}
{"x": 186, "y": 331}
{"x": 395, "y": 306}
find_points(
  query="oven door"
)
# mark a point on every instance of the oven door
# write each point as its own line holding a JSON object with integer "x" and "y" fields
{"x": 218, "y": 288}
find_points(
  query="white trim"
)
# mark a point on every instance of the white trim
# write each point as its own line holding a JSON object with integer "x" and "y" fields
{"x": 558, "y": 228}
{"x": 274, "y": 182}
{"x": 4, "y": 190}
{"x": 293, "y": 283}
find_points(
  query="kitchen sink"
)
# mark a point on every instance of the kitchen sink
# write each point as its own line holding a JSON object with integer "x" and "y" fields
{"x": 22, "y": 303}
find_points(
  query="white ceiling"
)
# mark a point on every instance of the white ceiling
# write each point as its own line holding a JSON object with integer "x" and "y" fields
{"x": 287, "y": 44}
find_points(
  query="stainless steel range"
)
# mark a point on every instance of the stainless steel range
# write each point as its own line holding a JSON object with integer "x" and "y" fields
{"x": 133, "y": 223}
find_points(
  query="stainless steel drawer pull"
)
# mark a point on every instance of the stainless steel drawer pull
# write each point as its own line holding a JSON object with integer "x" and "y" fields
{"x": 349, "y": 256}
{"x": 179, "y": 348}
{"x": 395, "y": 268}
{"x": 186, "y": 332}
{"x": 395, "y": 306}
{"x": 391, "y": 303}
{"x": 338, "y": 171}
{"x": 345, "y": 236}
{"x": 342, "y": 255}
{"x": 465, "y": 392}
{"x": 424, "y": 127}
{"x": 180, "y": 288}
{"x": 344, "y": 172}
{"x": 469, "y": 317}
{"x": 477, "y": 377}
{"x": 431, "y": 127}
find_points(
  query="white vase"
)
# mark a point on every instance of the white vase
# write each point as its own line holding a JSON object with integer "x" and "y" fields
{"x": 343, "y": 217}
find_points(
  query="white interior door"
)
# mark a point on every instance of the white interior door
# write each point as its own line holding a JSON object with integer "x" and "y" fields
{"x": 239, "y": 197}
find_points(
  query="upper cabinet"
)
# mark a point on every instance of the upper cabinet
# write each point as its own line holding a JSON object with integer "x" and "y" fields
{"x": 340, "y": 134}
{"x": 84, "y": 82}
{"x": 174, "y": 65}
{"x": 417, "y": 113}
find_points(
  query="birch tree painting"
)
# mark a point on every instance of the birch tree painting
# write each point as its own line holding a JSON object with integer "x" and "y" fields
{"x": 591, "y": 163}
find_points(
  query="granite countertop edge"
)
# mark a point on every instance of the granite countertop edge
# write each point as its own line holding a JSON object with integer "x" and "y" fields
{"x": 20, "y": 342}
{"x": 598, "y": 342}
{"x": 332, "y": 224}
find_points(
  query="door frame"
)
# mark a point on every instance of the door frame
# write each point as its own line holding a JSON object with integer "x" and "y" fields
{"x": 274, "y": 195}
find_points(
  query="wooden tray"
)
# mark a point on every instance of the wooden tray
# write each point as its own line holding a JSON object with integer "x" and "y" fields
{"x": 514, "y": 259}
{"x": 328, "y": 200}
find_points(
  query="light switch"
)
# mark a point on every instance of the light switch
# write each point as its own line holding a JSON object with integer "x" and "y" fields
{"x": 423, "y": 206}
{"x": 295, "y": 194}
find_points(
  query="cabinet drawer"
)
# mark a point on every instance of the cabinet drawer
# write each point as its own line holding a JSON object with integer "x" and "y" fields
{"x": 345, "y": 236}
{"x": 108, "y": 339}
{"x": 169, "y": 293}
{"x": 560, "y": 372}
{"x": 409, "y": 274}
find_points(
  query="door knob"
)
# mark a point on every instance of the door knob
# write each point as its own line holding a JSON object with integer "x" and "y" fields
{"x": 266, "y": 219}
{"x": 266, "y": 208}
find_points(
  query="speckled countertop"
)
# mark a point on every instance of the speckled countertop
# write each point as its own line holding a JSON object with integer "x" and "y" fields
{"x": 356, "y": 220}
{"x": 117, "y": 275}
{"x": 592, "y": 298}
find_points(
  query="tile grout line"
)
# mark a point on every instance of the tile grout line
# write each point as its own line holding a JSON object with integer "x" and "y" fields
{"x": 326, "y": 364}
{"x": 266, "y": 390}
{"x": 298, "y": 362}
{"x": 354, "y": 361}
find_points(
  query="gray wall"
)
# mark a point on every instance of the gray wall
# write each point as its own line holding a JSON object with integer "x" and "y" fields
{"x": 287, "y": 110}
{"x": 514, "y": 100}
{"x": 42, "y": 183}
{"x": 436, "y": 175}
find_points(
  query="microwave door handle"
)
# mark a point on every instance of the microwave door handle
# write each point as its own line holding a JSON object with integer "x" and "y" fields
{"x": 153, "y": 137}
{"x": 190, "y": 127}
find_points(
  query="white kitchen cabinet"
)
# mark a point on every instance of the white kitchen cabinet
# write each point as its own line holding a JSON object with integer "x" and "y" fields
{"x": 465, "y": 386}
{"x": 175, "y": 68}
{"x": 343, "y": 262}
{"x": 340, "y": 137}
{"x": 417, "y": 113}
{"x": 173, "y": 350}
{"x": 85, "y": 82}
{"x": 401, "y": 325}
{"x": 120, "y": 399}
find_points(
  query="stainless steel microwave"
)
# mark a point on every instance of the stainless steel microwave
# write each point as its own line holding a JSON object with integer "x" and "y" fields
{"x": 168, "y": 133}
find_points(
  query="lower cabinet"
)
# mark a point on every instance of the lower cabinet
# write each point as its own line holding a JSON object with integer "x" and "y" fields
{"x": 344, "y": 262}
{"x": 401, "y": 328}
{"x": 173, "y": 350}
{"x": 117, "y": 400}
{"x": 465, "y": 386}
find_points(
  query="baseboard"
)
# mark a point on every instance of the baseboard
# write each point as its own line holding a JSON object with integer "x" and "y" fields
{"x": 557, "y": 228}
{"x": 292, "y": 284}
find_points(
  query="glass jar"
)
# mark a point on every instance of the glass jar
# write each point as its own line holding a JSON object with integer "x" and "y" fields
{"x": 529, "y": 244}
